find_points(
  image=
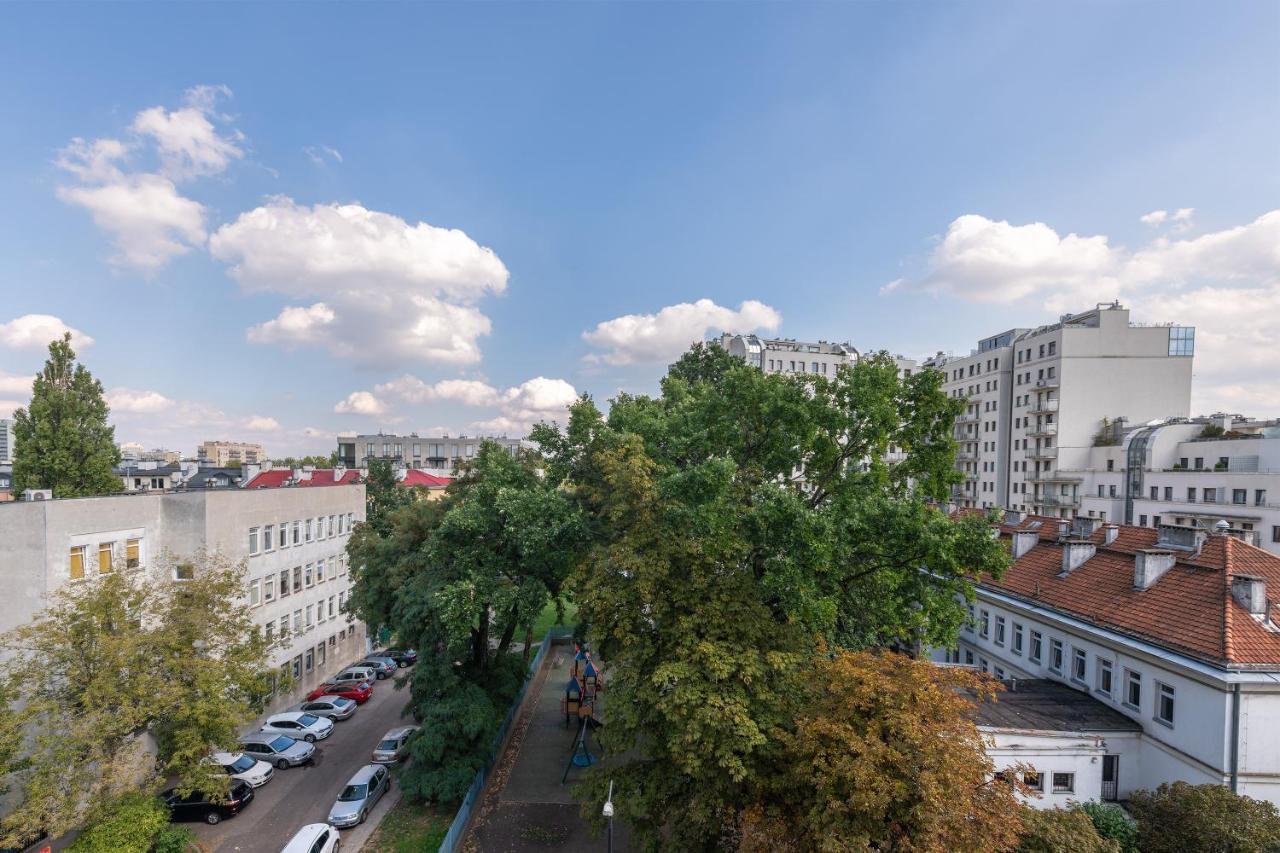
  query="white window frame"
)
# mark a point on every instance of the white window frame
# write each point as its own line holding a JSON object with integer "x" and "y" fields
{"x": 269, "y": 588}
{"x": 1016, "y": 643}
{"x": 1165, "y": 691}
{"x": 1058, "y": 650}
{"x": 1069, "y": 788}
{"x": 255, "y": 593}
{"x": 254, "y": 544}
{"x": 1131, "y": 677}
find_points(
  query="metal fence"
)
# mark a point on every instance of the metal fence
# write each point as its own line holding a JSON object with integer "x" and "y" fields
{"x": 459, "y": 825}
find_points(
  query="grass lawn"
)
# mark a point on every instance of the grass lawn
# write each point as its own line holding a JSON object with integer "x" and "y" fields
{"x": 547, "y": 619}
{"x": 409, "y": 828}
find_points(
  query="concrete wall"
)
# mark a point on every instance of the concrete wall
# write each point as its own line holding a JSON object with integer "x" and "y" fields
{"x": 1052, "y": 752}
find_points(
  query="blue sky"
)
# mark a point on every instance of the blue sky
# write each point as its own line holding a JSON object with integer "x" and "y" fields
{"x": 596, "y": 164}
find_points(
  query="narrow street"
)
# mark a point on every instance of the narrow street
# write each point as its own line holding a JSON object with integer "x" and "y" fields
{"x": 302, "y": 795}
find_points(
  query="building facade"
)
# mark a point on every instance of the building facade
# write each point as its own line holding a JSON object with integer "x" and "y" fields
{"x": 292, "y": 542}
{"x": 1036, "y": 400}
{"x": 787, "y": 355}
{"x": 223, "y": 453}
{"x": 431, "y": 453}
{"x": 1173, "y": 628}
{"x": 7, "y": 441}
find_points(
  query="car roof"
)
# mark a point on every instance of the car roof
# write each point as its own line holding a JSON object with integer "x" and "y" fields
{"x": 226, "y": 757}
{"x": 284, "y": 715}
{"x": 261, "y": 737}
{"x": 399, "y": 731}
{"x": 364, "y": 774}
{"x": 305, "y": 837}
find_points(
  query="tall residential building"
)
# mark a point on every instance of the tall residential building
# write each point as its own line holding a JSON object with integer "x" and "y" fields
{"x": 292, "y": 542}
{"x": 224, "y": 453}
{"x": 787, "y": 355}
{"x": 6, "y": 441}
{"x": 1036, "y": 400}
{"x": 440, "y": 453}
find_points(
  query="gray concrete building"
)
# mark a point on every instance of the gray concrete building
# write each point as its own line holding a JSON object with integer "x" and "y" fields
{"x": 6, "y": 441}
{"x": 787, "y": 355}
{"x": 292, "y": 542}
{"x": 441, "y": 453}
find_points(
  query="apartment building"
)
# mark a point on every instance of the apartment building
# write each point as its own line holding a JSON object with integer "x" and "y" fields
{"x": 433, "y": 453}
{"x": 7, "y": 441}
{"x": 787, "y": 355}
{"x": 1036, "y": 400}
{"x": 292, "y": 542}
{"x": 223, "y": 453}
{"x": 1171, "y": 628}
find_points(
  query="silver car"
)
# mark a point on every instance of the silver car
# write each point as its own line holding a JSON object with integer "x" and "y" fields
{"x": 360, "y": 795}
{"x": 280, "y": 750}
{"x": 383, "y": 667}
{"x": 394, "y": 745}
{"x": 333, "y": 707}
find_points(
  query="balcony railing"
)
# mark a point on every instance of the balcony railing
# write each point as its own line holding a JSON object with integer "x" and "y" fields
{"x": 1042, "y": 453}
{"x": 1053, "y": 477}
{"x": 967, "y": 456}
{"x": 1043, "y": 407}
{"x": 967, "y": 418}
{"x": 1057, "y": 500}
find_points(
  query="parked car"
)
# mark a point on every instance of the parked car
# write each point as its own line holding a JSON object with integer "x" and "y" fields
{"x": 354, "y": 673}
{"x": 280, "y": 750}
{"x": 314, "y": 838}
{"x": 401, "y": 655}
{"x": 382, "y": 667}
{"x": 394, "y": 745}
{"x": 245, "y": 767}
{"x": 357, "y": 691}
{"x": 358, "y": 798}
{"x": 297, "y": 724}
{"x": 199, "y": 806}
{"x": 333, "y": 707}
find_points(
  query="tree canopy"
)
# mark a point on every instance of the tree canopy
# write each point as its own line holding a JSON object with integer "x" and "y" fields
{"x": 1181, "y": 817}
{"x": 62, "y": 439}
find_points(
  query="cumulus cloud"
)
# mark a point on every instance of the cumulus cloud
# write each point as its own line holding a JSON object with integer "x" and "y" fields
{"x": 1155, "y": 217}
{"x": 361, "y": 403}
{"x": 517, "y": 408}
{"x": 261, "y": 423}
{"x": 652, "y": 338}
{"x": 469, "y": 392}
{"x": 392, "y": 292}
{"x": 137, "y": 402}
{"x": 15, "y": 383}
{"x": 35, "y": 331}
{"x": 294, "y": 325}
{"x": 148, "y": 219}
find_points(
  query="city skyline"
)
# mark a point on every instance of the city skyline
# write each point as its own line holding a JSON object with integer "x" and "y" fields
{"x": 477, "y": 213}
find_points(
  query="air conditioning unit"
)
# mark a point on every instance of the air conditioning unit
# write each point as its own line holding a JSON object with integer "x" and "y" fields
{"x": 37, "y": 494}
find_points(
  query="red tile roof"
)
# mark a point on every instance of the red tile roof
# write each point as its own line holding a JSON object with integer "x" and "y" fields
{"x": 414, "y": 477}
{"x": 1190, "y": 609}
{"x": 279, "y": 477}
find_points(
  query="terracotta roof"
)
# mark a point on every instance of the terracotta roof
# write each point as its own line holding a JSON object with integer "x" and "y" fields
{"x": 280, "y": 477}
{"x": 414, "y": 477}
{"x": 1189, "y": 609}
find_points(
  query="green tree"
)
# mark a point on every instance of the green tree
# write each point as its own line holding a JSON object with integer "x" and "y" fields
{"x": 383, "y": 495}
{"x": 458, "y": 578}
{"x": 1061, "y": 831}
{"x": 1185, "y": 818}
{"x": 62, "y": 438}
{"x": 1111, "y": 822}
{"x": 129, "y": 824}
{"x": 121, "y": 661}
{"x": 738, "y": 520}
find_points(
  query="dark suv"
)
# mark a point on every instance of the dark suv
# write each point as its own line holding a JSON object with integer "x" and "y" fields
{"x": 198, "y": 807}
{"x": 401, "y": 655}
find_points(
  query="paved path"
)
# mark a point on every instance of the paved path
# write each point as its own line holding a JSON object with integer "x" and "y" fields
{"x": 301, "y": 795}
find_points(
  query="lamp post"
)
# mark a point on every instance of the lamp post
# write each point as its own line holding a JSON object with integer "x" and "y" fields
{"x": 607, "y": 811}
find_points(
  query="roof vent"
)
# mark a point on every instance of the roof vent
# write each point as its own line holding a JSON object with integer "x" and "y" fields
{"x": 1250, "y": 592}
{"x": 1180, "y": 538}
{"x": 1012, "y": 517}
{"x": 1075, "y": 553}
{"x": 1110, "y": 532}
{"x": 1024, "y": 541}
{"x": 1149, "y": 565}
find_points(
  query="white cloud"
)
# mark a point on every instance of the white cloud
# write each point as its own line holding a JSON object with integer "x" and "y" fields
{"x": 137, "y": 402}
{"x": 14, "y": 383}
{"x": 517, "y": 407}
{"x": 148, "y": 219}
{"x": 538, "y": 399}
{"x": 185, "y": 139}
{"x": 1155, "y": 217}
{"x": 321, "y": 154}
{"x": 469, "y": 392}
{"x": 393, "y": 293}
{"x": 1183, "y": 214}
{"x": 261, "y": 423}
{"x": 361, "y": 403}
{"x": 36, "y": 331}
{"x": 294, "y": 325}
{"x": 651, "y": 338}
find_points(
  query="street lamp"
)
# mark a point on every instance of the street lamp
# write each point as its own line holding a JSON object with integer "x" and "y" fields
{"x": 607, "y": 811}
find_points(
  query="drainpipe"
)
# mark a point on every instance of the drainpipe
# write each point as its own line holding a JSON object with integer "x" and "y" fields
{"x": 1235, "y": 735}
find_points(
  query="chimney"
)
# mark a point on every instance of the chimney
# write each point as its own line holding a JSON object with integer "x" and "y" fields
{"x": 1074, "y": 554}
{"x": 1250, "y": 592}
{"x": 1064, "y": 530}
{"x": 1083, "y": 526}
{"x": 1110, "y": 531}
{"x": 1012, "y": 517}
{"x": 1024, "y": 541}
{"x": 1149, "y": 566}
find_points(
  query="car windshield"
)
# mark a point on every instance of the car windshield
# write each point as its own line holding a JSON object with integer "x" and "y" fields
{"x": 242, "y": 764}
{"x": 351, "y": 793}
{"x": 342, "y": 703}
{"x": 282, "y": 743}
{"x": 308, "y": 719}
{"x": 388, "y": 745}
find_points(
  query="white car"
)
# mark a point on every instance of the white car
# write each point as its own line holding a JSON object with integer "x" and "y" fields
{"x": 244, "y": 767}
{"x": 314, "y": 838}
{"x": 299, "y": 725}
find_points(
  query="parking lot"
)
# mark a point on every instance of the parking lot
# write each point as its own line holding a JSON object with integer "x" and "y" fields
{"x": 302, "y": 795}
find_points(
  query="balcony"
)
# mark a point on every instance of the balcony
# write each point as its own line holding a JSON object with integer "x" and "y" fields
{"x": 967, "y": 418}
{"x": 1053, "y": 477}
{"x": 971, "y": 476}
{"x": 966, "y": 456}
{"x": 1056, "y": 500}
{"x": 1043, "y": 407}
{"x": 1044, "y": 430}
{"x": 1042, "y": 453}
{"x": 1046, "y": 384}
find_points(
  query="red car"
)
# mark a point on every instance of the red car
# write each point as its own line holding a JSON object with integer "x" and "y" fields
{"x": 357, "y": 691}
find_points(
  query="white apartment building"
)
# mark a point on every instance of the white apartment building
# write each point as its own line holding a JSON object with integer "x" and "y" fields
{"x": 432, "y": 453}
{"x": 1036, "y": 399}
{"x": 220, "y": 454}
{"x": 1173, "y": 473}
{"x": 292, "y": 541}
{"x": 1172, "y": 628}
{"x": 787, "y": 355}
{"x": 7, "y": 441}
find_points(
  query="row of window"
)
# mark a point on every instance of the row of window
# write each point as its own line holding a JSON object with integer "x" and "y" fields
{"x": 305, "y": 618}
{"x": 269, "y": 537}
{"x": 110, "y": 556}
{"x": 1078, "y": 671}
{"x": 1239, "y": 497}
{"x": 1063, "y": 783}
{"x": 266, "y": 589}
{"x": 797, "y": 366}
{"x": 1046, "y": 349}
{"x": 312, "y": 658}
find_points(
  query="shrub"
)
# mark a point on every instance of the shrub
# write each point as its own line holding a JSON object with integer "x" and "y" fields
{"x": 128, "y": 825}
{"x": 173, "y": 839}
{"x": 1183, "y": 818}
{"x": 1111, "y": 822}
{"x": 1061, "y": 831}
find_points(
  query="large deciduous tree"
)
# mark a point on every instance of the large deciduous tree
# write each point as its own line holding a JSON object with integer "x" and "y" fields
{"x": 115, "y": 661}
{"x": 739, "y": 520}
{"x": 63, "y": 441}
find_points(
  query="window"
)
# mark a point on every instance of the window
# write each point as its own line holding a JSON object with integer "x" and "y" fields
{"x": 1132, "y": 689}
{"x": 1168, "y": 493}
{"x": 297, "y": 578}
{"x": 1210, "y": 496}
{"x": 982, "y": 664}
{"x": 297, "y": 532}
{"x": 306, "y": 576}
{"x": 1164, "y": 704}
{"x": 284, "y": 534}
{"x": 320, "y": 572}
{"x": 1055, "y": 656}
{"x": 268, "y": 537}
{"x": 1155, "y": 493}
{"x": 75, "y": 562}
{"x": 332, "y": 528}
{"x": 1191, "y": 494}
{"x": 320, "y": 611}
{"x": 1182, "y": 340}
{"x": 1036, "y": 644}
{"x": 1111, "y": 464}
{"x": 297, "y": 667}
{"x": 968, "y": 657}
{"x": 284, "y": 625}
{"x": 1079, "y": 665}
{"x": 308, "y": 539}
{"x": 319, "y": 528}
{"x": 332, "y": 611}
{"x": 132, "y": 553}
{"x": 255, "y": 593}
{"x": 105, "y": 551}
{"x": 333, "y": 568}
{"x": 1259, "y": 497}
{"x": 311, "y": 613}
{"x": 985, "y": 625}
{"x": 1111, "y": 491}
{"x": 999, "y": 630}
{"x": 269, "y": 588}
{"x": 284, "y": 583}
{"x": 1017, "y": 638}
{"x": 184, "y": 572}
{"x": 1033, "y": 779}
{"x": 1102, "y": 676}
{"x": 269, "y": 631}
{"x": 1064, "y": 783}
{"x": 320, "y": 654}
{"x": 297, "y": 620}
{"x": 1199, "y": 462}
{"x": 253, "y": 541}
{"x": 1239, "y": 496}
{"x": 1275, "y": 533}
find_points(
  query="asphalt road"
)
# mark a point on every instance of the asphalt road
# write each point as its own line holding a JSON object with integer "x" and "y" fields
{"x": 301, "y": 795}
